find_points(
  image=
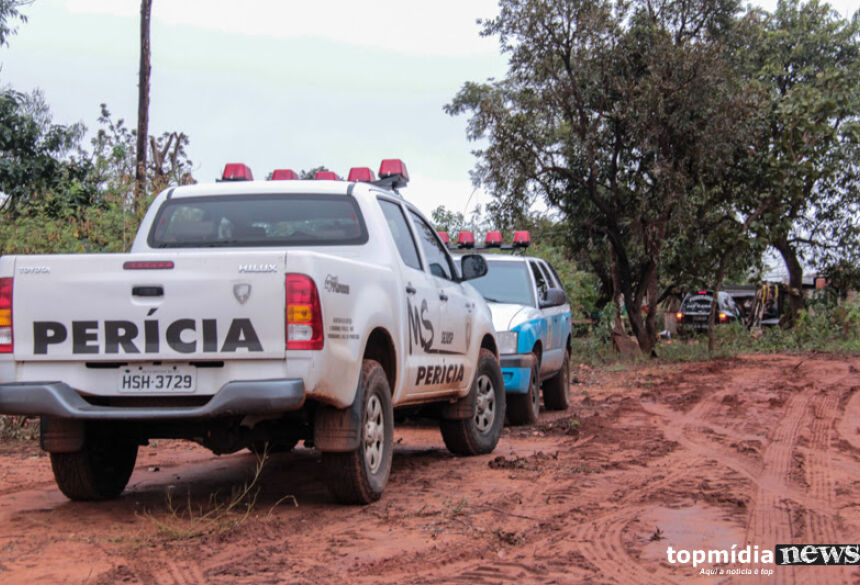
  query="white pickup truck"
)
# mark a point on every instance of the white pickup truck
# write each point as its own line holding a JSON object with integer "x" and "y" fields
{"x": 252, "y": 313}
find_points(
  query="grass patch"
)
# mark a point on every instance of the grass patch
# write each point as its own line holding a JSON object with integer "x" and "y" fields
{"x": 19, "y": 428}
{"x": 818, "y": 328}
{"x": 187, "y": 520}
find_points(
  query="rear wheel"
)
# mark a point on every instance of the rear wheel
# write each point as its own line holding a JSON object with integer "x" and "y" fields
{"x": 556, "y": 390}
{"x": 480, "y": 432}
{"x": 360, "y": 476}
{"x": 524, "y": 409}
{"x": 99, "y": 471}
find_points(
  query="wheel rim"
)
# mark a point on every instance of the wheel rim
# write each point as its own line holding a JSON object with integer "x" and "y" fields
{"x": 374, "y": 434}
{"x": 485, "y": 411}
{"x": 535, "y": 390}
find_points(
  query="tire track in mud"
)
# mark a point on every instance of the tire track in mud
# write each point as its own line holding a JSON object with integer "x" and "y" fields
{"x": 164, "y": 570}
{"x": 601, "y": 543}
{"x": 821, "y": 528}
{"x": 773, "y": 507}
{"x": 600, "y": 540}
{"x": 769, "y": 520}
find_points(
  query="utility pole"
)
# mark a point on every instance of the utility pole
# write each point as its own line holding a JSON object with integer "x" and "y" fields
{"x": 142, "y": 106}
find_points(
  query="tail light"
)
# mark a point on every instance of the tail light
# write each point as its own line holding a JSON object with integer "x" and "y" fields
{"x": 304, "y": 316}
{"x": 723, "y": 317}
{"x": 148, "y": 265}
{"x": 679, "y": 317}
{"x": 6, "y": 344}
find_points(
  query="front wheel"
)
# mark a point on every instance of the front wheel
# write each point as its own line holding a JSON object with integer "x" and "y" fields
{"x": 556, "y": 390}
{"x": 479, "y": 433}
{"x": 360, "y": 476}
{"x": 524, "y": 409}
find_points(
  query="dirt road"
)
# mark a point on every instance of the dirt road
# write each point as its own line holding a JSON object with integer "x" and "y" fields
{"x": 752, "y": 452}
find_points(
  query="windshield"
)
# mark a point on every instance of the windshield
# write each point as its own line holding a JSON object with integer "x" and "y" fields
{"x": 505, "y": 282}
{"x": 258, "y": 220}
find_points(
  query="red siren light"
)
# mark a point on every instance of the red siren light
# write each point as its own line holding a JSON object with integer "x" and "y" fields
{"x": 396, "y": 169}
{"x": 446, "y": 239}
{"x": 284, "y": 175}
{"x": 466, "y": 240}
{"x": 493, "y": 240}
{"x": 237, "y": 172}
{"x": 522, "y": 239}
{"x": 325, "y": 176}
{"x": 361, "y": 174}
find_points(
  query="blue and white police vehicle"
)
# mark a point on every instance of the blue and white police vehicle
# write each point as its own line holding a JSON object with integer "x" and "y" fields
{"x": 532, "y": 318}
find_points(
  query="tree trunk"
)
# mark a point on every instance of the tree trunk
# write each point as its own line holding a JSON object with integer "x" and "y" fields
{"x": 639, "y": 326}
{"x": 795, "y": 279}
{"x": 142, "y": 107}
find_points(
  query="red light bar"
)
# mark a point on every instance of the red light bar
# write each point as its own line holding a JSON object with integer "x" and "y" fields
{"x": 362, "y": 174}
{"x": 237, "y": 172}
{"x": 148, "y": 265}
{"x": 284, "y": 175}
{"x": 444, "y": 237}
{"x": 394, "y": 167}
{"x": 702, "y": 292}
{"x": 325, "y": 176}
{"x": 522, "y": 239}
{"x": 466, "y": 240}
{"x": 493, "y": 240}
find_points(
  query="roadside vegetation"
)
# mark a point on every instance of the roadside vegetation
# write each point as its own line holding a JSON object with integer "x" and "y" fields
{"x": 821, "y": 328}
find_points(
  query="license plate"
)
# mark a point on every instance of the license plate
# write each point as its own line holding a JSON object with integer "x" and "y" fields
{"x": 160, "y": 379}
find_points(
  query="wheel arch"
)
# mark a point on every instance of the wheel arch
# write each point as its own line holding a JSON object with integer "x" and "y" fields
{"x": 489, "y": 342}
{"x": 380, "y": 347}
{"x": 537, "y": 349}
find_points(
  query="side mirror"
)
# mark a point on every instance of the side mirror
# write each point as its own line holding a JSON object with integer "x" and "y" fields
{"x": 473, "y": 266}
{"x": 553, "y": 298}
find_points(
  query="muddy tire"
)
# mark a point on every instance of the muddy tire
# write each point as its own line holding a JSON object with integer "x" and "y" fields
{"x": 479, "y": 433}
{"x": 99, "y": 471}
{"x": 360, "y": 476}
{"x": 556, "y": 390}
{"x": 523, "y": 409}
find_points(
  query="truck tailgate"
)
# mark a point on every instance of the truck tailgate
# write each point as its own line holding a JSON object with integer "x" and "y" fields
{"x": 120, "y": 307}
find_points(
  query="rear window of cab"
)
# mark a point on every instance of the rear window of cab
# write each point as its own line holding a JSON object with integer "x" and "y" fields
{"x": 258, "y": 220}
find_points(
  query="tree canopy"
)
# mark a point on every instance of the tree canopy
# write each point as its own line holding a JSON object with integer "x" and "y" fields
{"x": 658, "y": 132}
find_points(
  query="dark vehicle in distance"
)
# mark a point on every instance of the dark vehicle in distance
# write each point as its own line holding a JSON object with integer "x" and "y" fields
{"x": 696, "y": 308}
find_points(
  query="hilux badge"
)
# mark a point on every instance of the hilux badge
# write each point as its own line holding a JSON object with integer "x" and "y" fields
{"x": 242, "y": 292}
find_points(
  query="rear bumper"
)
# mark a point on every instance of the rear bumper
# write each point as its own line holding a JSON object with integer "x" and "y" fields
{"x": 516, "y": 372}
{"x": 239, "y": 398}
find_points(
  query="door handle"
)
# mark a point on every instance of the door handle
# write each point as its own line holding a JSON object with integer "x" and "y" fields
{"x": 443, "y": 296}
{"x": 147, "y": 291}
{"x": 410, "y": 290}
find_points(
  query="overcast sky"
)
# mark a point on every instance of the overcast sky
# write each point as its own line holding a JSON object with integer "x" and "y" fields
{"x": 277, "y": 83}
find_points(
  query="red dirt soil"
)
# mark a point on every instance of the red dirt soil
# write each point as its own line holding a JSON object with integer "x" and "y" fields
{"x": 758, "y": 451}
